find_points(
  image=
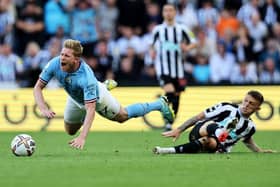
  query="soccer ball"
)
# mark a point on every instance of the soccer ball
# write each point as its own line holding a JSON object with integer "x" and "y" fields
{"x": 23, "y": 145}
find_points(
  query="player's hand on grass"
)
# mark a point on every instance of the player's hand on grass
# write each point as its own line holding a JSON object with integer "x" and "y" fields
{"x": 173, "y": 133}
{"x": 77, "y": 143}
{"x": 48, "y": 113}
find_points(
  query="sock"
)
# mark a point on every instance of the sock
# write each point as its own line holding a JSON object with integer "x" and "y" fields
{"x": 173, "y": 100}
{"x": 175, "y": 104}
{"x": 168, "y": 126}
{"x": 140, "y": 109}
{"x": 191, "y": 147}
{"x": 166, "y": 150}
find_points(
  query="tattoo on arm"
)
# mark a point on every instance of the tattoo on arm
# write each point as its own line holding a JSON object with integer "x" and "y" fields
{"x": 190, "y": 122}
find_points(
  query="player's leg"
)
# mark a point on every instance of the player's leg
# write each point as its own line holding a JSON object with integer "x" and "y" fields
{"x": 141, "y": 109}
{"x": 73, "y": 117}
{"x": 169, "y": 89}
{"x": 109, "y": 107}
{"x": 203, "y": 144}
{"x": 200, "y": 140}
{"x": 173, "y": 93}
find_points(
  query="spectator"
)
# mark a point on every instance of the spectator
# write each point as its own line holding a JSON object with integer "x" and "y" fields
{"x": 243, "y": 45}
{"x": 153, "y": 13}
{"x": 56, "y": 17}
{"x": 128, "y": 39}
{"x": 258, "y": 31}
{"x": 10, "y": 65}
{"x": 276, "y": 34}
{"x": 244, "y": 73}
{"x": 103, "y": 69}
{"x": 276, "y": 31}
{"x": 7, "y": 21}
{"x": 84, "y": 26}
{"x": 206, "y": 45}
{"x": 30, "y": 65}
{"x": 29, "y": 26}
{"x": 271, "y": 51}
{"x": 52, "y": 50}
{"x": 210, "y": 29}
{"x": 247, "y": 10}
{"x": 207, "y": 13}
{"x": 132, "y": 14}
{"x": 201, "y": 70}
{"x": 108, "y": 17}
{"x": 148, "y": 72}
{"x": 232, "y": 5}
{"x": 227, "y": 23}
{"x": 186, "y": 14}
{"x": 221, "y": 65}
{"x": 269, "y": 74}
{"x": 59, "y": 36}
{"x": 270, "y": 13}
{"x": 130, "y": 68}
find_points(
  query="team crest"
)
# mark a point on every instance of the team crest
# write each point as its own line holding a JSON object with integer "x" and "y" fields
{"x": 68, "y": 80}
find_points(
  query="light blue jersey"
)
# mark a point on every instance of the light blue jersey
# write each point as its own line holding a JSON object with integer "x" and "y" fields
{"x": 81, "y": 85}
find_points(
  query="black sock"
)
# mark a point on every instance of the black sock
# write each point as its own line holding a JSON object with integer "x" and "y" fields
{"x": 191, "y": 147}
{"x": 175, "y": 104}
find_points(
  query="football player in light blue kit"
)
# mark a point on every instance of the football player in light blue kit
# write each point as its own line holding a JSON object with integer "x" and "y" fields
{"x": 87, "y": 95}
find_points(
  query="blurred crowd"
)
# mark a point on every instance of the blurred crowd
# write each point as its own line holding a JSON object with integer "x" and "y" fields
{"x": 239, "y": 40}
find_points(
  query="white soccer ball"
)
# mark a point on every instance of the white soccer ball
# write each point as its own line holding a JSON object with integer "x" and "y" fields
{"x": 23, "y": 145}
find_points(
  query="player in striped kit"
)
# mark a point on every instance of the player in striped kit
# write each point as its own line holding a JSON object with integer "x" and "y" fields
{"x": 218, "y": 128}
{"x": 170, "y": 41}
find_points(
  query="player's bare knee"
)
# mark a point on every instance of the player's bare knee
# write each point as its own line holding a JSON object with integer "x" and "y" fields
{"x": 120, "y": 120}
{"x": 212, "y": 143}
{"x": 71, "y": 129}
{"x": 71, "y": 133}
{"x": 121, "y": 117}
{"x": 208, "y": 143}
{"x": 203, "y": 141}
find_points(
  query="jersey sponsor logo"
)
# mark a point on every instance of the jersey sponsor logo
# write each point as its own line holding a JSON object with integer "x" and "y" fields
{"x": 170, "y": 46}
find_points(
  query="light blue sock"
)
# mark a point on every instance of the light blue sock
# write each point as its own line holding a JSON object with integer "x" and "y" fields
{"x": 140, "y": 109}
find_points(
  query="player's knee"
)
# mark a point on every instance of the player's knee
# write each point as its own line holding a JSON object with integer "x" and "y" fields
{"x": 212, "y": 143}
{"x": 121, "y": 120}
{"x": 71, "y": 133}
{"x": 72, "y": 129}
{"x": 121, "y": 117}
{"x": 208, "y": 143}
{"x": 204, "y": 141}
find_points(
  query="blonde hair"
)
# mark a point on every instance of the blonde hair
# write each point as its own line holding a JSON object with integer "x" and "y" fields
{"x": 75, "y": 45}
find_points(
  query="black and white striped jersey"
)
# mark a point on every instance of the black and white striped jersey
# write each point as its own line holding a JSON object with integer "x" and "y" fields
{"x": 222, "y": 112}
{"x": 166, "y": 41}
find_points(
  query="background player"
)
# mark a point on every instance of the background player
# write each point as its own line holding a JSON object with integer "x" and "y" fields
{"x": 170, "y": 40}
{"x": 87, "y": 95}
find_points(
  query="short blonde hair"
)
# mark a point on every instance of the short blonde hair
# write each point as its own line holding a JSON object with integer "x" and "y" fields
{"x": 75, "y": 45}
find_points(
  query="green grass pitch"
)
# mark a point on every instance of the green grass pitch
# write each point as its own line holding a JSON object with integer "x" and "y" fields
{"x": 124, "y": 159}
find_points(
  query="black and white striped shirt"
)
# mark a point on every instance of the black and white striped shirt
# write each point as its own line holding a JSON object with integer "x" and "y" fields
{"x": 167, "y": 40}
{"x": 245, "y": 127}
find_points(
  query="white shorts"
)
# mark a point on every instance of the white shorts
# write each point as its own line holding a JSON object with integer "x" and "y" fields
{"x": 107, "y": 106}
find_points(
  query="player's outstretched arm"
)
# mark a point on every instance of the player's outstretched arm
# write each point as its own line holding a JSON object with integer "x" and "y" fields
{"x": 250, "y": 143}
{"x": 79, "y": 142}
{"x": 190, "y": 122}
{"x": 40, "y": 101}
